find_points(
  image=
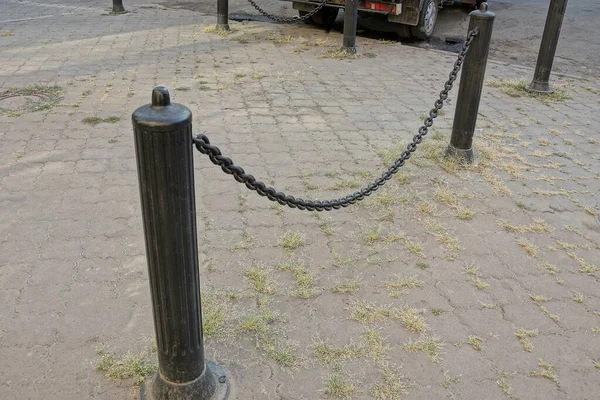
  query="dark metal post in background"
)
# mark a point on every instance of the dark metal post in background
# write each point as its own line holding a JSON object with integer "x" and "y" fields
{"x": 163, "y": 144}
{"x": 471, "y": 85}
{"x": 223, "y": 14}
{"x": 350, "y": 20}
{"x": 117, "y": 7}
{"x": 556, "y": 12}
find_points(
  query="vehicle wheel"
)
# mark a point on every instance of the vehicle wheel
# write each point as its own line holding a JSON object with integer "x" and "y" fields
{"x": 404, "y": 31}
{"x": 326, "y": 16}
{"x": 427, "y": 20}
{"x": 308, "y": 21}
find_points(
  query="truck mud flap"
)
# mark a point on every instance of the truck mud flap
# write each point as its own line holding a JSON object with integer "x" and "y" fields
{"x": 410, "y": 13}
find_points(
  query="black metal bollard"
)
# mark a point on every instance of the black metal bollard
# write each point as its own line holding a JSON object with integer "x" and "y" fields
{"x": 471, "y": 85}
{"x": 223, "y": 14}
{"x": 556, "y": 13}
{"x": 163, "y": 144}
{"x": 118, "y": 7}
{"x": 350, "y": 20}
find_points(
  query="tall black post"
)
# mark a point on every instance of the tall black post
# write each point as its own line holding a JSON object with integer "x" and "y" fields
{"x": 223, "y": 14}
{"x": 471, "y": 85}
{"x": 350, "y": 20}
{"x": 556, "y": 12}
{"x": 118, "y": 7}
{"x": 163, "y": 144}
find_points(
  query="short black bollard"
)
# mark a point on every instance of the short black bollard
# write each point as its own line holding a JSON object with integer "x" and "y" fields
{"x": 471, "y": 85}
{"x": 163, "y": 144}
{"x": 350, "y": 20}
{"x": 556, "y": 13}
{"x": 118, "y": 7}
{"x": 223, "y": 14}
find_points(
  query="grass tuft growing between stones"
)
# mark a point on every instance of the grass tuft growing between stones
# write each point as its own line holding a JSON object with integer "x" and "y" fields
{"x": 538, "y": 298}
{"x": 292, "y": 240}
{"x": 538, "y": 226}
{"x": 219, "y": 31}
{"x": 260, "y": 278}
{"x": 547, "y": 313}
{"x": 338, "y": 53}
{"x": 586, "y": 267}
{"x": 304, "y": 278}
{"x": 549, "y": 268}
{"x": 129, "y": 366}
{"x": 262, "y": 326}
{"x": 391, "y": 386}
{"x": 345, "y": 184}
{"x": 518, "y": 88}
{"x": 432, "y": 346}
{"x": 397, "y": 287}
{"x": 336, "y": 387}
{"x": 213, "y": 316}
{"x": 524, "y": 336}
{"x": 97, "y": 120}
{"x": 505, "y": 386}
{"x": 349, "y": 287}
{"x": 475, "y": 342}
{"x": 328, "y": 354}
{"x": 529, "y": 248}
{"x": 409, "y": 317}
{"x": 547, "y": 371}
{"x": 279, "y": 38}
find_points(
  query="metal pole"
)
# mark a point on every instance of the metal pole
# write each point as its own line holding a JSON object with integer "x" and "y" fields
{"x": 556, "y": 12}
{"x": 471, "y": 85}
{"x": 223, "y": 14}
{"x": 118, "y": 7}
{"x": 350, "y": 19}
{"x": 163, "y": 144}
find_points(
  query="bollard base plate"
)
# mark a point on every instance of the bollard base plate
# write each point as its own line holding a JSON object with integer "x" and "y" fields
{"x": 353, "y": 50}
{"x": 214, "y": 386}
{"x": 112, "y": 12}
{"x": 464, "y": 156}
{"x": 540, "y": 87}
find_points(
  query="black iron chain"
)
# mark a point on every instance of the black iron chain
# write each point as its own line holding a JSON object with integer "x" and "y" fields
{"x": 291, "y": 20}
{"x": 214, "y": 153}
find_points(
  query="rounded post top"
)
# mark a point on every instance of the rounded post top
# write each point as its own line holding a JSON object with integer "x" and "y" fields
{"x": 160, "y": 97}
{"x": 162, "y": 115}
{"x": 483, "y": 12}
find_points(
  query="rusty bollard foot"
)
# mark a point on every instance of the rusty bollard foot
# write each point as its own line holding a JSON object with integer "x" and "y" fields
{"x": 213, "y": 384}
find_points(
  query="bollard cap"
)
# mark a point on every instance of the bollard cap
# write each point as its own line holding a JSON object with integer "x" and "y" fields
{"x": 483, "y": 12}
{"x": 161, "y": 115}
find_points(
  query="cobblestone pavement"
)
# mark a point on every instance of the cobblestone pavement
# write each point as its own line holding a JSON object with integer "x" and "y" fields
{"x": 452, "y": 282}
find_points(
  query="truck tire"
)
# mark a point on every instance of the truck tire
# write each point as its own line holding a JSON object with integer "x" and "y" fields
{"x": 427, "y": 20}
{"x": 308, "y": 21}
{"x": 404, "y": 31}
{"x": 326, "y": 16}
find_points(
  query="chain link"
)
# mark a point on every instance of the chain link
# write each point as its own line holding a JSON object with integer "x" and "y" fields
{"x": 214, "y": 153}
{"x": 288, "y": 20}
